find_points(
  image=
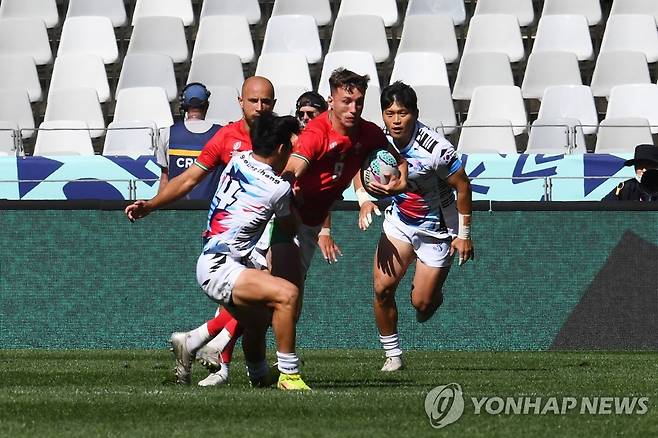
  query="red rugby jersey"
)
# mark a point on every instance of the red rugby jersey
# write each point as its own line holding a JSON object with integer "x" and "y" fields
{"x": 333, "y": 160}
{"x": 229, "y": 140}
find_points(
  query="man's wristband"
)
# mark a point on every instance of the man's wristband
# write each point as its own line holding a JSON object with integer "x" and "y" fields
{"x": 464, "y": 232}
{"x": 362, "y": 196}
{"x": 325, "y": 232}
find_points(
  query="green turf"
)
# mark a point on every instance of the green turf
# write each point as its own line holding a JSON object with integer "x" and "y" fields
{"x": 121, "y": 393}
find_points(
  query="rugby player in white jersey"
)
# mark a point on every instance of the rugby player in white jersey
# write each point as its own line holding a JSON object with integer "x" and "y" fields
{"x": 229, "y": 271}
{"x": 424, "y": 224}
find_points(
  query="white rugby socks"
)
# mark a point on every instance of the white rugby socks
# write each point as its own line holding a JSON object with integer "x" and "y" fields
{"x": 391, "y": 345}
{"x": 197, "y": 338}
{"x": 288, "y": 363}
{"x": 219, "y": 342}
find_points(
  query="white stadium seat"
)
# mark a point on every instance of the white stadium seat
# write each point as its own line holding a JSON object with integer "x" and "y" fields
{"x": 619, "y": 68}
{"x": 635, "y": 100}
{"x": 495, "y": 33}
{"x": 115, "y": 10}
{"x": 430, "y": 33}
{"x": 479, "y": 69}
{"x": 293, "y": 34}
{"x": 420, "y": 68}
{"x": 318, "y": 9}
{"x": 81, "y": 70}
{"x": 435, "y": 108}
{"x": 546, "y": 69}
{"x": 131, "y": 138}
{"x": 486, "y": 136}
{"x": 9, "y": 138}
{"x": 76, "y": 104}
{"x": 148, "y": 70}
{"x": 570, "y": 102}
{"x": 250, "y": 9}
{"x": 590, "y": 9}
{"x": 564, "y": 33}
{"x": 164, "y": 8}
{"x": 224, "y": 107}
{"x": 19, "y": 72}
{"x": 165, "y": 35}
{"x": 25, "y": 36}
{"x": 522, "y": 9}
{"x": 386, "y": 9}
{"x": 225, "y": 34}
{"x": 284, "y": 69}
{"x": 286, "y": 98}
{"x": 371, "y": 32}
{"x": 15, "y": 107}
{"x": 455, "y": 9}
{"x": 63, "y": 137}
{"x": 556, "y": 136}
{"x": 45, "y": 10}
{"x": 372, "y": 109}
{"x": 643, "y": 7}
{"x": 359, "y": 62}
{"x": 89, "y": 35}
{"x": 144, "y": 103}
{"x": 215, "y": 69}
{"x": 631, "y": 32}
{"x": 499, "y": 101}
{"x": 622, "y": 134}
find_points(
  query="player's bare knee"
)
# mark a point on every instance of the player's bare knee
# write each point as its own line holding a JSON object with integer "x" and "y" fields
{"x": 287, "y": 296}
{"x": 422, "y": 305}
{"x": 384, "y": 294}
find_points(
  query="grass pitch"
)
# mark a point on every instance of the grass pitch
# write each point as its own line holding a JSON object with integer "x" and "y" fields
{"x": 121, "y": 393}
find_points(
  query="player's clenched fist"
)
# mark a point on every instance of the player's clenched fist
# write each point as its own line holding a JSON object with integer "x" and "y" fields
{"x": 137, "y": 210}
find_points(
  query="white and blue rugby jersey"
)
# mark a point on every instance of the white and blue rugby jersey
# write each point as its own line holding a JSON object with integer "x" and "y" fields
{"x": 249, "y": 193}
{"x": 429, "y": 203}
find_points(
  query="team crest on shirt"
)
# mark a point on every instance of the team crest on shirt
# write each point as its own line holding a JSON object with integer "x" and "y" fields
{"x": 236, "y": 148}
{"x": 333, "y": 144}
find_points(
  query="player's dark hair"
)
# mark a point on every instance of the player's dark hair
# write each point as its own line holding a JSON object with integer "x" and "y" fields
{"x": 269, "y": 131}
{"x": 401, "y": 93}
{"x": 347, "y": 79}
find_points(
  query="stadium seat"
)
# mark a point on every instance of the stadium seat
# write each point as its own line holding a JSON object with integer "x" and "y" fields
{"x": 19, "y": 72}
{"x": 359, "y": 62}
{"x": 371, "y": 36}
{"x": 318, "y": 9}
{"x": 80, "y": 70}
{"x": 420, "y": 68}
{"x": 455, "y": 9}
{"x": 372, "y": 108}
{"x": 564, "y": 33}
{"x": 486, "y": 136}
{"x": 478, "y": 69}
{"x": 286, "y": 98}
{"x": 556, "y": 136}
{"x": 45, "y": 10}
{"x": 165, "y": 35}
{"x": 225, "y": 34}
{"x": 635, "y": 100}
{"x": 164, "y": 8}
{"x": 131, "y": 138}
{"x": 435, "y": 108}
{"x": 9, "y": 138}
{"x": 15, "y": 107}
{"x": 25, "y": 36}
{"x": 631, "y": 32}
{"x": 149, "y": 70}
{"x": 115, "y": 10}
{"x": 224, "y": 107}
{"x": 63, "y": 137}
{"x": 546, "y": 69}
{"x": 250, "y": 9}
{"x": 590, "y": 9}
{"x": 622, "y": 134}
{"x": 89, "y": 35}
{"x": 499, "y": 101}
{"x": 215, "y": 69}
{"x": 570, "y": 102}
{"x": 619, "y": 68}
{"x": 643, "y": 7}
{"x": 76, "y": 104}
{"x": 285, "y": 69}
{"x": 386, "y": 9}
{"x": 522, "y": 9}
{"x": 495, "y": 33}
{"x": 430, "y": 33}
{"x": 293, "y": 34}
{"x": 144, "y": 103}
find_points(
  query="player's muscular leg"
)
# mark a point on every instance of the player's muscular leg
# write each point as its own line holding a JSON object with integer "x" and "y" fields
{"x": 255, "y": 320}
{"x": 392, "y": 259}
{"x": 283, "y": 260}
{"x": 426, "y": 292}
{"x": 255, "y": 287}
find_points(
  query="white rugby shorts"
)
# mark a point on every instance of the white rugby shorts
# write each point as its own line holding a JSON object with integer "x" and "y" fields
{"x": 432, "y": 251}
{"x": 217, "y": 274}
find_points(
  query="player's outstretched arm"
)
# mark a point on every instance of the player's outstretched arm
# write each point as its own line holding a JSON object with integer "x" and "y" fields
{"x": 173, "y": 191}
{"x": 395, "y": 185}
{"x": 462, "y": 244}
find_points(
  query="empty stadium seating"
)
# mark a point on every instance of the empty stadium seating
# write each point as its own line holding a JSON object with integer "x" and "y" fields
{"x": 135, "y": 56}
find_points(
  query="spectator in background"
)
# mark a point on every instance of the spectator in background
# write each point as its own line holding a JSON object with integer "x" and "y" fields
{"x": 644, "y": 187}
{"x": 182, "y": 142}
{"x": 309, "y": 106}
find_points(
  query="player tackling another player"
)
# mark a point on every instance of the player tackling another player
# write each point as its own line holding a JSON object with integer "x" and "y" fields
{"x": 424, "y": 224}
{"x": 250, "y": 192}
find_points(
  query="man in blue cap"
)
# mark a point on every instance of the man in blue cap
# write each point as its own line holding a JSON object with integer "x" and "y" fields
{"x": 182, "y": 142}
{"x": 644, "y": 187}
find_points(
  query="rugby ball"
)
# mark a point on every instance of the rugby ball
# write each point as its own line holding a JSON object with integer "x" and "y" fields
{"x": 378, "y": 166}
